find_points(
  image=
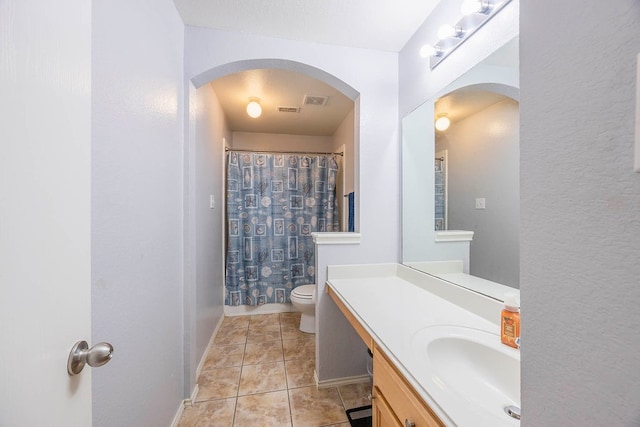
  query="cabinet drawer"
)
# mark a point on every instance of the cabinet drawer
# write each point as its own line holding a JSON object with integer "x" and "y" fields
{"x": 401, "y": 397}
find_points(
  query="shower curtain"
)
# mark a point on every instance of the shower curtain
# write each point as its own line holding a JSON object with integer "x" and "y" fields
{"x": 274, "y": 203}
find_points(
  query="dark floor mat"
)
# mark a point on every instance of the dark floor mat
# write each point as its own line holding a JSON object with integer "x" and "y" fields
{"x": 360, "y": 417}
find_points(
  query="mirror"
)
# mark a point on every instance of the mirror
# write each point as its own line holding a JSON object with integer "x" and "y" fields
{"x": 472, "y": 194}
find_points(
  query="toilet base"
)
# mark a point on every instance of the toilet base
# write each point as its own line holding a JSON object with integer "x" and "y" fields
{"x": 308, "y": 323}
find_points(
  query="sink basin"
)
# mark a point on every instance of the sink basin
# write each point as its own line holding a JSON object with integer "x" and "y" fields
{"x": 469, "y": 370}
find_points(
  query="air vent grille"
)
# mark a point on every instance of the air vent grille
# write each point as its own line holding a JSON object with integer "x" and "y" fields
{"x": 288, "y": 109}
{"x": 320, "y": 101}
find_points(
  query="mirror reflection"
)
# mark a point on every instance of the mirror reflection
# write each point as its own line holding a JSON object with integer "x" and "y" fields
{"x": 474, "y": 189}
{"x": 477, "y": 178}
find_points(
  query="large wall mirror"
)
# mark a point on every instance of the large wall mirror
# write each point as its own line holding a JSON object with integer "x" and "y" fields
{"x": 473, "y": 187}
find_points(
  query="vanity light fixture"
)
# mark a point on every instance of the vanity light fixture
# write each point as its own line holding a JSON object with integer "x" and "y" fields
{"x": 475, "y": 13}
{"x": 254, "y": 110}
{"x": 442, "y": 122}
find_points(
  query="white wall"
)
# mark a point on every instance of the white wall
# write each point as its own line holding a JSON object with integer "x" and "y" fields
{"x": 137, "y": 82}
{"x": 483, "y": 161}
{"x": 281, "y": 142}
{"x": 379, "y": 149}
{"x": 208, "y": 303}
{"x": 344, "y": 135}
{"x": 580, "y": 214}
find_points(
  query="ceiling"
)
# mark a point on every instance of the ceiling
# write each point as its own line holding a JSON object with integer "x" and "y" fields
{"x": 464, "y": 102}
{"x": 280, "y": 88}
{"x": 370, "y": 24}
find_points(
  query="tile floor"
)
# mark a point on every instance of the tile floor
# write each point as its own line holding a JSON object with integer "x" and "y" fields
{"x": 259, "y": 373}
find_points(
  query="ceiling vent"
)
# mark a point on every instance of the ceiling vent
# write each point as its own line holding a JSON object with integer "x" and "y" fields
{"x": 288, "y": 109}
{"x": 319, "y": 101}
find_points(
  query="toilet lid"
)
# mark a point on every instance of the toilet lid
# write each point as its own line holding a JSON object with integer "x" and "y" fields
{"x": 304, "y": 291}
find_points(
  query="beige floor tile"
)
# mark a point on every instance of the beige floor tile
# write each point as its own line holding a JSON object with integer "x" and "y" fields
{"x": 230, "y": 336}
{"x": 268, "y": 409}
{"x": 216, "y": 413}
{"x": 261, "y": 333}
{"x": 221, "y": 356}
{"x": 263, "y": 352}
{"x": 311, "y": 407}
{"x": 300, "y": 372}
{"x": 302, "y": 348}
{"x": 235, "y": 322}
{"x": 355, "y": 395}
{"x": 265, "y": 320}
{"x": 292, "y": 332}
{"x": 291, "y": 318}
{"x": 218, "y": 383}
{"x": 338, "y": 425}
{"x": 262, "y": 378}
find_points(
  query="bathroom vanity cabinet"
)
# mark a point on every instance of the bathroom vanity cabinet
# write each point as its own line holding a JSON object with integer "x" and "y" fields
{"x": 395, "y": 402}
{"x": 437, "y": 355}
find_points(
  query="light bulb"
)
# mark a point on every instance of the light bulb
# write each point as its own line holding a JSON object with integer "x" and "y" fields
{"x": 469, "y": 7}
{"x": 442, "y": 123}
{"x": 427, "y": 50}
{"x": 446, "y": 31}
{"x": 254, "y": 109}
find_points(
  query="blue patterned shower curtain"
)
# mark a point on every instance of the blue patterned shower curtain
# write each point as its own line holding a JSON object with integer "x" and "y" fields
{"x": 274, "y": 203}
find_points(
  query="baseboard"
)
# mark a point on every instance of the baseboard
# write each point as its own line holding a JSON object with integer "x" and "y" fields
{"x": 176, "y": 419}
{"x": 187, "y": 403}
{"x": 209, "y": 344}
{"x": 336, "y": 382}
{"x": 248, "y": 310}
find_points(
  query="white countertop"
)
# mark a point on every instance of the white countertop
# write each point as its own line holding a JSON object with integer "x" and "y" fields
{"x": 394, "y": 302}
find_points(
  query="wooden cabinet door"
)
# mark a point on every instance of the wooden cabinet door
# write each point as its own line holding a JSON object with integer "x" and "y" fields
{"x": 382, "y": 414}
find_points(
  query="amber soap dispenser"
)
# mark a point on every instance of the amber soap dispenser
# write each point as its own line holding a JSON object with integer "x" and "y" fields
{"x": 510, "y": 321}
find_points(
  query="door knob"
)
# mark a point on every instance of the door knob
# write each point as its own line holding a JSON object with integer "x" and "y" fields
{"x": 82, "y": 355}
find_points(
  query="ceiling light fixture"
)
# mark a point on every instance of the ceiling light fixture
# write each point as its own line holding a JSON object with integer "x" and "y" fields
{"x": 254, "y": 110}
{"x": 475, "y": 13}
{"x": 443, "y": 122}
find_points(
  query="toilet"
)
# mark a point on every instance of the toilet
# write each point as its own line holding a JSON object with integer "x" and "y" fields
{"x": 303, "y": 299}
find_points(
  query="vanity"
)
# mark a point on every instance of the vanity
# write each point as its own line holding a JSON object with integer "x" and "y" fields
{"x": 437, "y": 355}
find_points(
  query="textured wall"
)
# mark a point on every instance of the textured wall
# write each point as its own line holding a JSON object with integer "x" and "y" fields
{"x": 211, "y": 128}
{"x": 281, "y": 142}
{"x": 136, "y": 218}
{"x": 580, "y": 214}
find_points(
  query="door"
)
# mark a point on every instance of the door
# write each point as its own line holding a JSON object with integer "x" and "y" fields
{"x": 45, "y": 117}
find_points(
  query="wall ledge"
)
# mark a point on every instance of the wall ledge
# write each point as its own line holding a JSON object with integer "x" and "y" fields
{"x": 454, "y": 236}
{"x": 336, "y": 238}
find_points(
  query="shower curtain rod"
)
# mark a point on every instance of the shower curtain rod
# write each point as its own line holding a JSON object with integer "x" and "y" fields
{"x": 280, "y": 152}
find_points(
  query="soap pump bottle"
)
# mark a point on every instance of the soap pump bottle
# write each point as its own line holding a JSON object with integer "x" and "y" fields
{"x": 510, "y": 321}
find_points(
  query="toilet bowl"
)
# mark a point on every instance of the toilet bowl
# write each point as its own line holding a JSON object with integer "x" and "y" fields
{"x": 303, "y": 299}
